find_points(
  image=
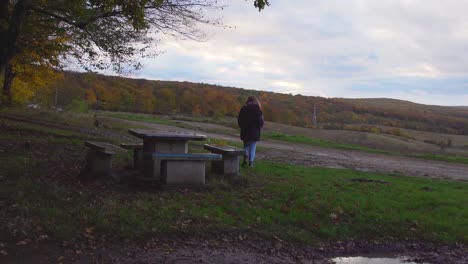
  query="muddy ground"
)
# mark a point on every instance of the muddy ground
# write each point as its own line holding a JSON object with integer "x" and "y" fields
{"x": 224, "y": 250}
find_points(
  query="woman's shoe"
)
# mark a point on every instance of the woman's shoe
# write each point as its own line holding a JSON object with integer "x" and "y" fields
{"x": 250, "y": 163}
{"x": 244, "y": 163}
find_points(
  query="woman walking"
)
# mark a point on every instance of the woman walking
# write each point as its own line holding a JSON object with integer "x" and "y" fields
{"x": 250, "y": 121}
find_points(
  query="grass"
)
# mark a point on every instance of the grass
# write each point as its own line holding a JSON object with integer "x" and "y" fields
{"x": 140, "y": 117}
{"x": 82, "y": 120}
{"x": 70, "y": 118}
{"x": 26, "y": 131}
{"x": 455, "y": 159}
{"x": 318, "y": 142}
{"x": 331, "y": 144}
{"x": 294, "y": 203}
{"x": 174, "y": 121}
{"x": 225, "y": 121}
{"x": 310, "y": 198}
{"x": 87, "y": 120}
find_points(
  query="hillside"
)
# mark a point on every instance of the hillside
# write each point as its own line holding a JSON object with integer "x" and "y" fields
{"x": 81, "y": 90}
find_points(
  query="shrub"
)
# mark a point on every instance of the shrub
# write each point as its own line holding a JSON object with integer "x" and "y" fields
{"x": 79, "y": 106}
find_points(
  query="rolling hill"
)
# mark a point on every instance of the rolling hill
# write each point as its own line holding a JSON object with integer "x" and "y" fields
{"x": 185, "y": 98}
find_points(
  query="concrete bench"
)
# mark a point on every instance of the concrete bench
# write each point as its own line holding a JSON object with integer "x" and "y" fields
{"x": 229, "y": 165}
{"x": 183, "y": 168}
{"x": 99, "y": 159}
{"x": 137, "y": 153}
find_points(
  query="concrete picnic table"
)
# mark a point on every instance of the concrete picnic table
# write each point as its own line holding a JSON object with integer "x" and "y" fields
{"x": 161, "y": 142}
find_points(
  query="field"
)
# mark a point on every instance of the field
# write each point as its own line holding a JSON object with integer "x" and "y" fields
{"x": 415, "y": 142}
{"x": 285, "y": 206}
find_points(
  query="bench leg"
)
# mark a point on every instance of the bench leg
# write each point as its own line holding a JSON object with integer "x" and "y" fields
{"x": 137, "y": 158}
{"x": 151, "y": 168}
{"x": 183, "y": 172}
{"x": 229, "y": 166}
{"x": 98, "y": 165}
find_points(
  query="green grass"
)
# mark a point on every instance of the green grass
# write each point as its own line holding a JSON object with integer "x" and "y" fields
{"x": 318, "y": 142}
{"x": 455, "y": 159}
{"x": 294, "y": 203}
{"x": 139, "y": 117}
{"x": 403, "y": 207}
{"x": 224, "y": 121}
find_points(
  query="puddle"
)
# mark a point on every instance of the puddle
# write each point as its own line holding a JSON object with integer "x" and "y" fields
{"x": 365, "y": 260}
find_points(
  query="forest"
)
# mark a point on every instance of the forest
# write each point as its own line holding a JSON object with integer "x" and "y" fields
{"x": 82, "y": 91}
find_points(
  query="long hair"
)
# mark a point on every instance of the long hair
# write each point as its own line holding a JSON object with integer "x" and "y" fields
{"x": 252, "y": 100}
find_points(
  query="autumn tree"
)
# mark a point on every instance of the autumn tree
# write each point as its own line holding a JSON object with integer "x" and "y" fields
{"x": 145, "y": 100}
{"x": 98, "y": 34}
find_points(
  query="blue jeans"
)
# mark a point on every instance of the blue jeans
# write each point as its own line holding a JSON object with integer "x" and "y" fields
{"x": 250, "y": 148}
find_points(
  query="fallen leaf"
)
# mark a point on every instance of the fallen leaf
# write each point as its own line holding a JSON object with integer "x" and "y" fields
{"x": 339, "y": 210}
{"x": 23, "y": 242}
{"x": 277, "y": 238}
{"x": 89, "y": 230}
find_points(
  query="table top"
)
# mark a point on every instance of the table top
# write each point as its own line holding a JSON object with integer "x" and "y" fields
{"x": 105, "y": 147}
{"x": 153, "y": 134}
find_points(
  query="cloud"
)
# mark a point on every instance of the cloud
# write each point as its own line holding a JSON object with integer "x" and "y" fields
{"x": 404, "y": 49}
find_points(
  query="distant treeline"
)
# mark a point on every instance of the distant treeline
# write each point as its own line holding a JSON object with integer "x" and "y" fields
{"x": 167, "y": 97}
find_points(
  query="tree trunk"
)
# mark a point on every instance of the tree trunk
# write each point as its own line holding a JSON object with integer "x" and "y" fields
{"x": 10, "y": 28}
{"x": 3, "y": 40}
{"x": 9, "y": 75}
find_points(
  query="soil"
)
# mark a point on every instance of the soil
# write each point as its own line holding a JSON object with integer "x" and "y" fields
{"x": 222, "y": 250}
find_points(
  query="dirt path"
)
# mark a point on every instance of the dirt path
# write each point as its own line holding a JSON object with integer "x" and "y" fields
{"x": 333, "y": 158}
{"x": 228, "y": 250}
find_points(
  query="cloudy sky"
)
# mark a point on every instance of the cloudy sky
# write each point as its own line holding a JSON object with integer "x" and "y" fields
{"x": 414, "y": 50}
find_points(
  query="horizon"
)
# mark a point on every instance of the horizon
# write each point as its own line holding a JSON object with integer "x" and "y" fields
{"x": 403, "y": 50}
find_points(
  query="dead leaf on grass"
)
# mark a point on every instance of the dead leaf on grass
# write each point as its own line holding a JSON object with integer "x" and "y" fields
{"x": 242, "y": 237}
{"x": 23, "y": 242}
{"x": 277, "y": 238}
{"x": 339, "y": 210}
{"x": 89, "y": 230}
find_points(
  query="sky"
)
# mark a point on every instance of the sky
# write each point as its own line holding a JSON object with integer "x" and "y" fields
{"x": 415, "y": 50}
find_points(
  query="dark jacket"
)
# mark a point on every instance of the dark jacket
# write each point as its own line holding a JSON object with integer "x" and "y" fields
{"x": 250, "y": 121}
